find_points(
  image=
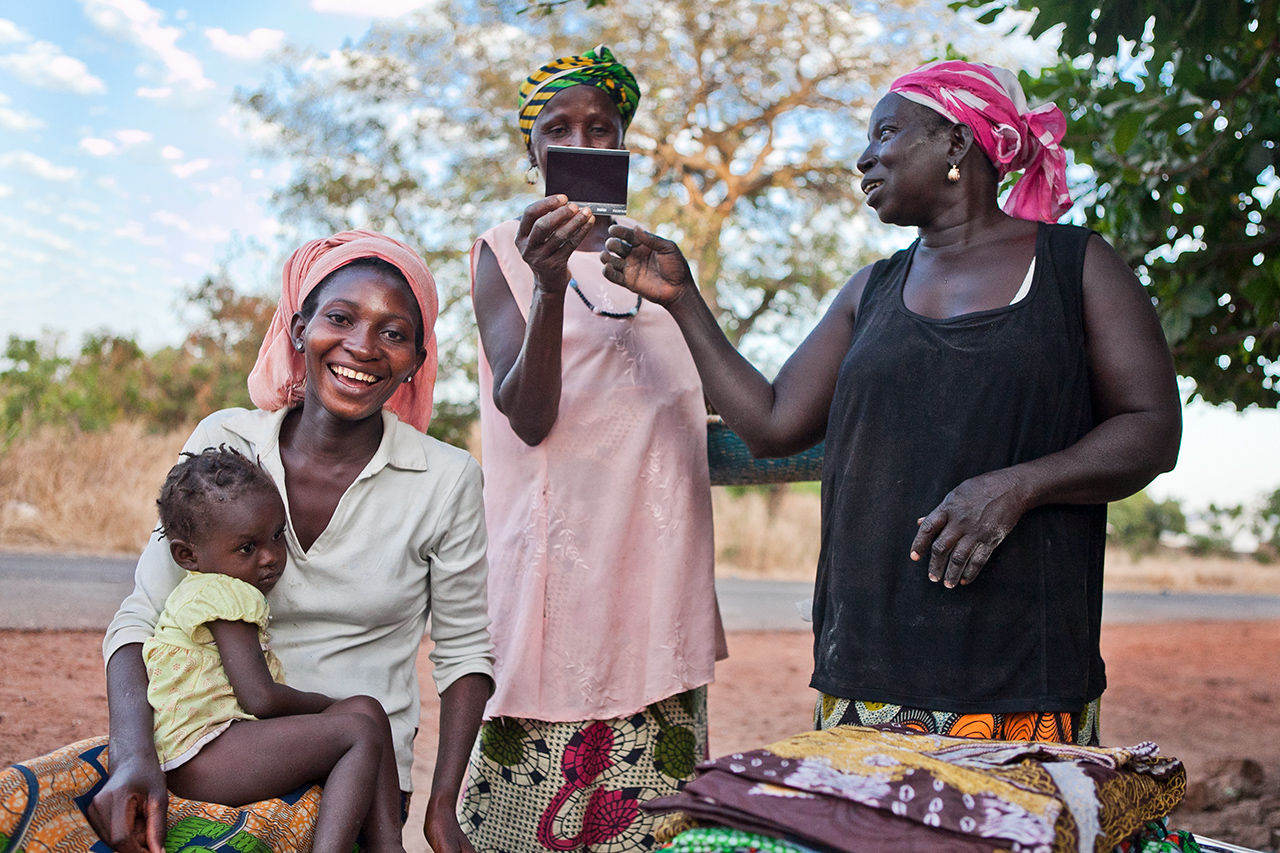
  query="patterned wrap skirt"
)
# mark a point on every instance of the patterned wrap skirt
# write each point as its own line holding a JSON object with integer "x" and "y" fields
{"x": 1080, "y": 728}
{"x": 43, "y": 805}
{"x": 535, "y": 786}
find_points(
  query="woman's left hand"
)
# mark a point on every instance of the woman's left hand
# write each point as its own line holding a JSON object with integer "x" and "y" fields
{"x": 972, "y": 520}
{"x": 443, "y": 832}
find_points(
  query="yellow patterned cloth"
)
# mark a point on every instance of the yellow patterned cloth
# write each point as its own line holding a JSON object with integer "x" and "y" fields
{"x": 893, "y": 788}
{"x": 597, "y": 67}
{"x": 187, "y": 686}
{"x": 43, "y": 803}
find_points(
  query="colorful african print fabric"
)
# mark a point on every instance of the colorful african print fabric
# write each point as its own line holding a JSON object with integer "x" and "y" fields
{"x": 535, "y": 786}
{"x": 597, "y": 67}
{"x": 892, "y": 789}
{"x": 1080, "y": 728}
{"x": 43, "y": 804}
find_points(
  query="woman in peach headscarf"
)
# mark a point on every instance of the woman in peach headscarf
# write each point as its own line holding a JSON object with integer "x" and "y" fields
{"x": 385, "y": 526}
{"x": 982, "y": 395}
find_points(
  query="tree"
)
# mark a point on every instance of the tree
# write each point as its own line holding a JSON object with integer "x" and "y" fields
{"x": 753, "y": 115}
{"x": 1137, "y": 522}
{"x": 112, "y": 379}
{"x": 1175, "y": 106}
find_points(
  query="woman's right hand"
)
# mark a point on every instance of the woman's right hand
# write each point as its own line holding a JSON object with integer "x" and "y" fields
{"x": 646, "y": 264}
{"x": 130, "y": 811}
{"x": 550, "y": 230}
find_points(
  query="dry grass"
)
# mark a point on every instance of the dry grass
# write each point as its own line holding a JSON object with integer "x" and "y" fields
{"x": 767, "y": 534}
{"x": 1176, "y": 571}
{"x": 775, "y": 535}
{"x": 82, "y": 493}
{"x": 95, "y": 493}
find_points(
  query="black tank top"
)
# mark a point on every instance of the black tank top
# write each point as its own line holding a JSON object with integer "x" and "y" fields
{"x": 921, "y": 405}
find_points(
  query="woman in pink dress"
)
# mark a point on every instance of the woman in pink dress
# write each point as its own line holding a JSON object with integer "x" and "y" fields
{"x": 598, "y": 506}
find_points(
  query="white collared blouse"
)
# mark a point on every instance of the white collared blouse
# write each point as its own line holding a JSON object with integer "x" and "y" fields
{"x": 407, "y": 540}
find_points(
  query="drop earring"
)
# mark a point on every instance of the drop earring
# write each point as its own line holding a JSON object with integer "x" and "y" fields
{"x": 531, "y": 176}
{"x": 953, "y": 174}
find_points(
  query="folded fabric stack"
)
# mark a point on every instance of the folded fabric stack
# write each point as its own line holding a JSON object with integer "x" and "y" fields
{"x": 889, "y": 789}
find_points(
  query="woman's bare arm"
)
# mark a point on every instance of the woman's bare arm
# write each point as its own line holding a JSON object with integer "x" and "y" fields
{"x": 773, "y": 418}
{"x": 461, "y": 710}
{"x": 129, "y": 812}
{"x": 525, "y": 356}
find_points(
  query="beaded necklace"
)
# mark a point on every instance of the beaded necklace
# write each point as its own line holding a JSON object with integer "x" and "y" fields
{"x": 613, "y": 315}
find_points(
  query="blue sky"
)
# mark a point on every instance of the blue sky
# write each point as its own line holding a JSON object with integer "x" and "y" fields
{"x": 127, "y": 174}
{"x": 125, "y": 170}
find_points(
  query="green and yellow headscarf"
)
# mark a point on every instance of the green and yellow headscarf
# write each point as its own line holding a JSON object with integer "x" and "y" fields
{"x": 597, "y": 67}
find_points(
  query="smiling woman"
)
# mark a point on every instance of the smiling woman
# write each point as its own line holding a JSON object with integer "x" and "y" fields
{"x": 384, "y": 526}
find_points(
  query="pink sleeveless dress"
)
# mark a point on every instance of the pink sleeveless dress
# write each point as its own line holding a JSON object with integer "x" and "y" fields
{"x": 601, "y": 558}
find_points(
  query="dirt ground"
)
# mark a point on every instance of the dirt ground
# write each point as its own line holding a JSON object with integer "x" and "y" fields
{"x": 1208, "y": 693}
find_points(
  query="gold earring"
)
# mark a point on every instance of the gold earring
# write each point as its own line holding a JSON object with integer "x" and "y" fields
{"x": 531, "y": 176}
{"x": 953, "y": 174}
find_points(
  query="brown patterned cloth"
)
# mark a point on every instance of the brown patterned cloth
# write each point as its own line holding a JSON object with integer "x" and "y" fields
{"x": 886, "y": 789}
{"x": 43, "y": 803}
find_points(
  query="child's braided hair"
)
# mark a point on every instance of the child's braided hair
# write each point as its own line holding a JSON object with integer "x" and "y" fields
{"x": 213, "y": 475}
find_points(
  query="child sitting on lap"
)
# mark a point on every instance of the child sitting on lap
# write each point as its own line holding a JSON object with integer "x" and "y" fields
{"x": 227, "y": 729}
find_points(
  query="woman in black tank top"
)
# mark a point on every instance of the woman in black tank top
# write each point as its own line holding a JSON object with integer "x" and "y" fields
{"x": 983, "y": 394}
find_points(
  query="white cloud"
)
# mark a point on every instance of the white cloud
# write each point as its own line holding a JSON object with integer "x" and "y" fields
{"x": 196, "y": 260}
{"x": 75, "y": 223}
{"x": 5, "y": 190}
{"x": 36, "y": 165}
{"x": 11, "y": 32}
{"x": 111, "y": 185}
{"x": 139, "y": 23}
{"x": 154, "y": 92}
{"x": 171, "y": 152}
{"x": 257, "y": 44}
{"x": 44, "y": 64}
{"x": 99, "y": 147}
{"x": 224, "y": 187}
{"x": 33, "y": 234}
{"x": 134, "y": 137}
{"x": 368, "y": 8}
{"x": 173, "y": 220}
{"x": 14, "y": 120}
{"x": 205, "y": 233}
{"x": 136, "y": 232}
{"x": 186, "y": 170}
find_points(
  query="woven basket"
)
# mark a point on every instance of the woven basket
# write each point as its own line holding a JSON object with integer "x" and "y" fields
{"x": 733, "y": 465}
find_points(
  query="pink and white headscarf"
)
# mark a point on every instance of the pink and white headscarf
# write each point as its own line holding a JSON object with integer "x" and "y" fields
{"x": 991, "y": 102}
{"x": 278, "y": 379}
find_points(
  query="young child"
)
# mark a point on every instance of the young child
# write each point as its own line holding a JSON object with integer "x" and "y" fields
{"x": 227, "y": 729}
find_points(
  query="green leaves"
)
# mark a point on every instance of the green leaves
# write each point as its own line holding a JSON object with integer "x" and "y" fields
{"x": 1182, "y": 144}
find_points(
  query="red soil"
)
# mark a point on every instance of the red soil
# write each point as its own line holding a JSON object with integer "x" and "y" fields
{"x": 1204, "y": 692}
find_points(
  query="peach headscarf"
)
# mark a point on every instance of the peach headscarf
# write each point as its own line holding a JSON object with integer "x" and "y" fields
{"x": 280, "y": 374}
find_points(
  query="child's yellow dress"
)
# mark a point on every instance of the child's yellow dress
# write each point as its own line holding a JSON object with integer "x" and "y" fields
{"x": 187, "y": 686}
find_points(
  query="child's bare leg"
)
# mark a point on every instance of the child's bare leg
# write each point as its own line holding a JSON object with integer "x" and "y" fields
{"x": 383, "y": 829}
{"x": 257, "y": 759}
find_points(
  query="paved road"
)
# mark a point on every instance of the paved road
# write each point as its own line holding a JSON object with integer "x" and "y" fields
{"x": 53, "y": 592}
